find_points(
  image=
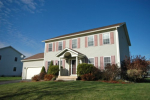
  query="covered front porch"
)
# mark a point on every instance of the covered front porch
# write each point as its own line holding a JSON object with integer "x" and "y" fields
{"x": 70, "y": 59}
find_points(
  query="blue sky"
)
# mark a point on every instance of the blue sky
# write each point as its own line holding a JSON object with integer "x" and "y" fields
{"x": 25, "y": 23}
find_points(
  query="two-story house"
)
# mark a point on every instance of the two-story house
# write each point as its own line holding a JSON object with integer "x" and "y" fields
{"x": 99, "y": 46}
{"x": 10, "y": 62}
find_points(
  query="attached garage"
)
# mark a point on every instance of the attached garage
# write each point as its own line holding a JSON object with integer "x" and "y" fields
{"x": 32, "y": 71}
{"x": 32, "y": 66}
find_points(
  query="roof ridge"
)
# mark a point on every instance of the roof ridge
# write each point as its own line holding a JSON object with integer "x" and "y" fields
{"x": 87, "y": 30}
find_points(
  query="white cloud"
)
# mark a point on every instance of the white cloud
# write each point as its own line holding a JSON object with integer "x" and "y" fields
{"x": 3, "y": 44}
{"x": 30, "y": 3}
{"x": 27, "y": 54}
{"x": 1, "y": 4}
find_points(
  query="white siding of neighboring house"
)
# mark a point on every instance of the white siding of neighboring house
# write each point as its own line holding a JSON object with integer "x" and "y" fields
{"x": 93, "y": 51}
{"x": 7, "y": 62}
{"x": 30, "y": 64}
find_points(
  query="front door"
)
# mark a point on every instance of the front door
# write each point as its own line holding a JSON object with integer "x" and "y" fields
{"x": 73, "y": 63}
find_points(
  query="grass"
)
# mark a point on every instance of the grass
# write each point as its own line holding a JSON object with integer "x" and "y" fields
{"x": 74, "y": 90}
{"x": 9, "y": 78}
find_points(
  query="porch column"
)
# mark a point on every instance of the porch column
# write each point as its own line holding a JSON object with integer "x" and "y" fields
{"x": 76, "y": 63}
{"x": 59, "y": 66}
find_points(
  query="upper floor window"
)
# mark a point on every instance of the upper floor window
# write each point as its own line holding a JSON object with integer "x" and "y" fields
{"x": 59, "y": 45}
{"x": 91, "y": 41}
{"x": 14, "y": 69}
{"x": 74, "y": 43}
{"x": 15, "y": 58}
{"x": 107, "y": 61}
{"x": 91, "y": 61}
{"x": 0, "y": 57}
{"x": 50, "y": 47}
{"x": 106, "y": 38}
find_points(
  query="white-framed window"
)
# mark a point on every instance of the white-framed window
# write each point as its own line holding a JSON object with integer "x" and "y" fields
{"x": 50, "y": 47}
{"x": 91, "y": 40}
{"x": 106, "y": 38}
{"x": 60, "y": 63}
{"x": 60, "y": 44}
{"x": 107, "y": 61}
{"x": 91, "y": 61}
{"x": 49, "y": 63}
{"x": 74, "y": 43}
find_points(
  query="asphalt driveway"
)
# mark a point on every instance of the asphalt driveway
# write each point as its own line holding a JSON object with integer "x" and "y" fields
{"x": 7, "y": 82}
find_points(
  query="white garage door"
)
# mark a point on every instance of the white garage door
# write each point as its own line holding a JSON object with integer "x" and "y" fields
{"x": 32, "y": 71}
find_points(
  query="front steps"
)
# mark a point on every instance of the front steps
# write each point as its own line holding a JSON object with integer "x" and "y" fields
{"x": 67, "y": 78}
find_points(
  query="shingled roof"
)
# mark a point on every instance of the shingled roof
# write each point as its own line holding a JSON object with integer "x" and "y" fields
{"x": 109, "y": 26}
{"x": 36, "y": 56}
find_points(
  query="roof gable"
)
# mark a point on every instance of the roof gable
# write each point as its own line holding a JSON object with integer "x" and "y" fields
{"x": 13, "y": 49}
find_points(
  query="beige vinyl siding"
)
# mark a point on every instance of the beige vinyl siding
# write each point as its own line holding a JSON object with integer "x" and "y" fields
{"x": 92, "y": 51}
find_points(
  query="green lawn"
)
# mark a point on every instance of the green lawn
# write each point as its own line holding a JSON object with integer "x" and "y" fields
{"x": 9, "y": 78}
{"x": 76, "y": 90}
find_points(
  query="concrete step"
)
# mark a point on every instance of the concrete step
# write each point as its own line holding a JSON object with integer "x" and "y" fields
{"x": 67, "y": 78}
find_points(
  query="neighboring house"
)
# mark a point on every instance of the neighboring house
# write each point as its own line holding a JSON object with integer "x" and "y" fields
{"x": 99, "y": 46}
{"x": 10, "y": 62}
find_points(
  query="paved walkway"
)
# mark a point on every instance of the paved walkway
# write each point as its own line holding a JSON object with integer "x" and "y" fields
{"x": 7, "y": 82}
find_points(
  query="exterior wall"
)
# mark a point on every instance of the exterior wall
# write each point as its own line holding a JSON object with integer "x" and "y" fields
{"x": 29, "y": 64}
{"x": 90, "y": 52}
{"x": 7, "y": 62}
{"x": 123, "y": 44}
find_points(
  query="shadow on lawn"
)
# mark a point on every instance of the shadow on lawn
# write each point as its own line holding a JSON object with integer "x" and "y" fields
{"x": 52, "y": 90}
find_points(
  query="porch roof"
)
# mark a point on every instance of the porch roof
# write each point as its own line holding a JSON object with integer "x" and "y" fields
{"x": 71, "y": 51}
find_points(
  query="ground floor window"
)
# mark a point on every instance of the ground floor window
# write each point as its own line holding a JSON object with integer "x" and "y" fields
{"x": 107, "y": 61}
{"x": 60, "y": 63}
{"x": 91, "y": 61}
{"x": 14, "y": 69}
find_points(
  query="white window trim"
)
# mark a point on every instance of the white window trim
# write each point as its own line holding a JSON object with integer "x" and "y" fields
{"x": 76, "y": 44}
{"x": 88, "y": 40}
{"x": 60, "y": 63}
{"x": 58, "y": 45}
{"x": 52, "y": 46}
{"x": 109, "y": 38}
{"x": 104, "y": 62}
{"x": 49, "y": 64}
{"x": 94, "y": 60}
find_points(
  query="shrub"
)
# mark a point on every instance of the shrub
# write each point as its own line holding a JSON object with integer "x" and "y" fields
{"x": 88, "y": 77}
{"x": 134, "y": 68}
{"x": 51, "y": 64}
{"x": 35, "y": 78}
{"x": 84, "y": 69}
{"x": 135, "y": 75}
{"x": 88, "y": 72}
{"x": 111, "y": 72}
{"x": 43, "y": 70}
{"x": 48, "y": 77}
{"x": 41, "y": 75}
{"x": 54, "y": 70}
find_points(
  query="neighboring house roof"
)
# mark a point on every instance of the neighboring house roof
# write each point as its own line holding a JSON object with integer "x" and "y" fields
{"x": 13, "y": 49}
{"x": 36, "y": 56}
